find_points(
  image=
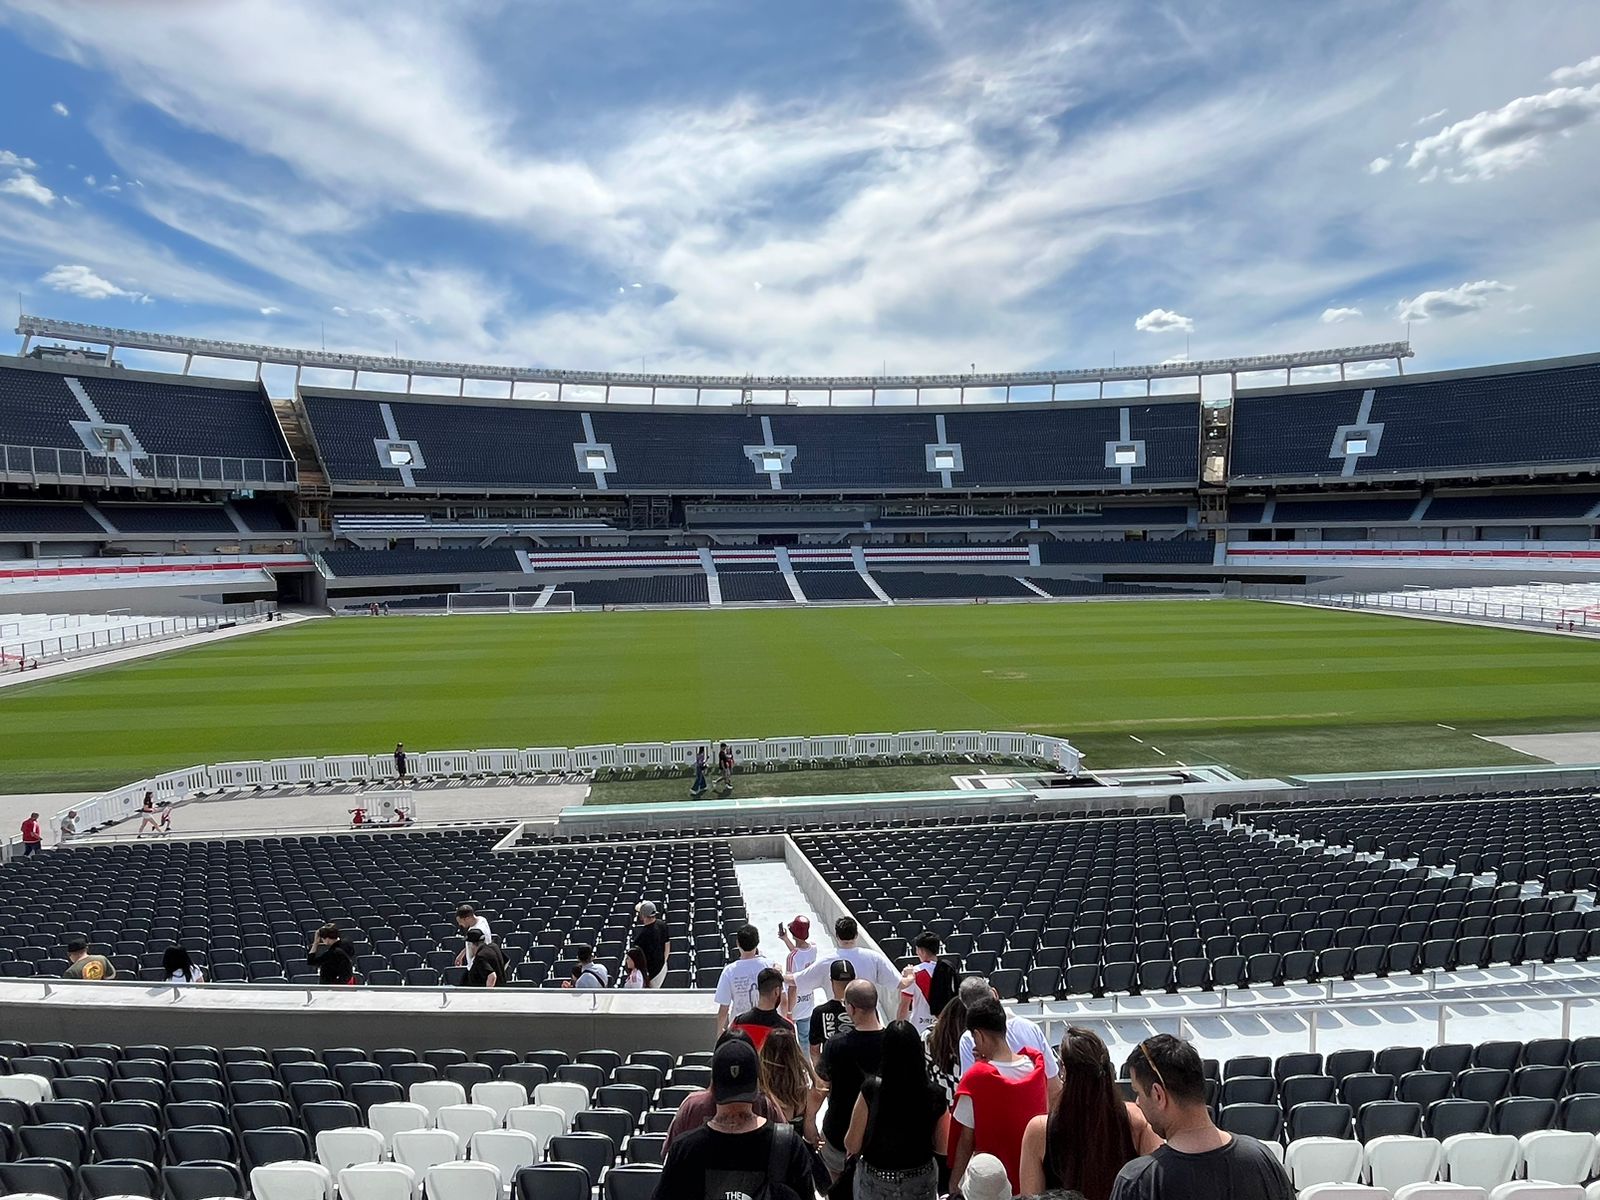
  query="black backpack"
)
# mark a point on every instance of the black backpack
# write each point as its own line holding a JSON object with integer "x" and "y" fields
{"x": 942, "y": 987}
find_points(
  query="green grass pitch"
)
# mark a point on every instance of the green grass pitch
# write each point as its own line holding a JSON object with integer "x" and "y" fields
{"x": 1261, "y": 687}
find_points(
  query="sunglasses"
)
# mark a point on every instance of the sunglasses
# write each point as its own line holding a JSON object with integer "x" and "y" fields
{"x": 1155, "y": 1070}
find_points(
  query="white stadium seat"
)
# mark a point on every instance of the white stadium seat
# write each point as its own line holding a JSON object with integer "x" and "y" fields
{"x": 434, "y": 1094}
{"x": 292, "y": 1181}
{"x": 1528, "y": 1189}
{"x": 544, "y": 1121}
{"x": 378, "y": 1181}
{"x": 1558, "y": 1156}
{"x": 1393, "y": 1162}
{"x": 1440, "y": 1191}
{"x": 341, "y": 1148}
{"x": 502, "y": 1095}
{"x": 1484, "y": 1160}
{"x": 570, "y": 1098}
{"x": 30, "y": 1089}
{"x": 1314, "y": 1160}
{"x": 420, "y": 1149}
{"x": 1343, "y": 1191}
{"x": 508, "y": 1149}
{"x": 397, "y": 1116}
{"x": 464, "y": 1120}
{"x": 463, "y": 1181}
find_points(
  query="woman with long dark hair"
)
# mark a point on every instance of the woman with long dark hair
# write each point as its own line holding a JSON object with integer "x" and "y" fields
{"x": 178, "y": 967}
{"x": 1090, "y": 1133}
{"x": 895, "y": 1122}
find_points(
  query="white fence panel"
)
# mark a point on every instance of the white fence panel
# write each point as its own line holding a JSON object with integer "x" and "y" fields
{"x": 239, "y": 774}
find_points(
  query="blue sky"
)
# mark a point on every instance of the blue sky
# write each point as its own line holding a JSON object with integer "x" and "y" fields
{"x": 835, "y": 186}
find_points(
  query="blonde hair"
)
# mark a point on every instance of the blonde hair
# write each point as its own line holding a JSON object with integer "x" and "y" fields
{"x": 785, "y": 1075}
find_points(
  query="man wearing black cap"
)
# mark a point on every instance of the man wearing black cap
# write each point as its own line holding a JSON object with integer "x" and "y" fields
{"x": 83, "y": 965}
{"x": 488, "y": 967}
{"x": 737, "y": 1152}
{"x": 832, "y": 1017}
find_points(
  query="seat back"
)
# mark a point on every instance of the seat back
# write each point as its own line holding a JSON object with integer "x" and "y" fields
{"x": 341, "y": 1148}
{"x": 434, "y": 1094}
{"x": 1314, "y": 1160}
{"x": 543, "y": 1121}
{"x": 462, "y": 1181}
{"x": 464, "y": 1120}
{"x": 501, "y": 1095}
{"x": 1524, "y": 1189}
{"x": 1557, "y": 1156}
{"x": 126, "y": 1177}
{"x": 570, "y": 1098}
{"x": 378, "y": 1181}
{"x": 1441, "y": 1191}
{"x": 292, "y": 1180}
{"x": 203, "y": 1181}
{"x": 399, "y": 1116}
{"x": 552, "y": 1181}
{"x": 1483, "y": 1160}
{"x": 420, "y": 1149}
{"x": 1394, "y": 1162}
{"x": 634, "y": 1181}
{"x": 508, "y": 1149}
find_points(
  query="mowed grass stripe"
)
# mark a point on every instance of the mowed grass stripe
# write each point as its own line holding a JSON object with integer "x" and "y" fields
{"x": 1261, "y": 678}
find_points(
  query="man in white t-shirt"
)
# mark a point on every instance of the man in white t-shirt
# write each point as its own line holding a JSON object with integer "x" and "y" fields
{"x": 802, "y": 954}
{"x": 736, "y": 988}
{"x": 869, "y": 964}
{"x": 1020, "y": 1032}
{"x": 916, "y": 984}
{"x": 467, "y": 918}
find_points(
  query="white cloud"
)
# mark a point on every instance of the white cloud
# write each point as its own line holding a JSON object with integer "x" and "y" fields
{"x": 1161, "y": 320}
{"x": 78, "y": 280}
{"x": 271, "y": 310}
{"x": 8, "y": 159}
{"x": 1379, "y": 165}
{"x": 1501, "y": 140}
{"x": 1451, "y": 302}
{"x": 1332, "y": 316}
{"x": 1589, "y": 68}
{"x": 1430, "y": 118}
{"x": 29, "y": 188}
{"x": 90, "y": 181}
{"x": 60, "y": 109}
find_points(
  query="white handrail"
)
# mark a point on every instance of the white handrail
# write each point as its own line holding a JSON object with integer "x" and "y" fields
{"x": 179, "y": 785}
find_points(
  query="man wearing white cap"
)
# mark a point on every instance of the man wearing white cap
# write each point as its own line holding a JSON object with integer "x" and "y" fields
{"x": 652, "y": 937}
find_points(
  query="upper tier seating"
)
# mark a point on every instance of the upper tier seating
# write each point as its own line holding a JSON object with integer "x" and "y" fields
{"x": 168, "y": 416}
{"x": 1174, "y": 550}
{"x": 1344, "y": 509}
{"x": 248, "y": 908}
{"x": 263, "y": 516}
{"x": 1554, "y": 506}
{"x": 940, "y": 585}
{"x": 1557, "y": 840}
{"x": 1529, "y": 417}
{"x": 1056, "y": 909}
{"x": 48, "y": 518}
{"x": 479, "y": 561}
{"x": 499, "y": 446}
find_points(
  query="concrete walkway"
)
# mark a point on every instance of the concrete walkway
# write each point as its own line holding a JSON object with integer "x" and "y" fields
{"x": 106, "y": 658}
{"x": 1561, "y": 748}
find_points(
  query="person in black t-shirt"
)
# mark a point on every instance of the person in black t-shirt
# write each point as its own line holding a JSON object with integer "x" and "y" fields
{"x": 832, "y": 1017}
{"x": 847, "y": 1060}
{"x": 764, "y": 1017}
{"x": 332, "y": 955}
{"x": 652, "y": 937}
{"x": 737, "y": 1153}
{"x": 896, "y": 1120}
{"x": 488, "y": 968}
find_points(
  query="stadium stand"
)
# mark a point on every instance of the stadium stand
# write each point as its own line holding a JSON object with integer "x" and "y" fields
{"x": 48, "y": 518}
{"x": 247, "y": 909}
{"x": 1054, "y": 910}
{"x": 834, "y": 585}
{"x": 640, "y": 589}
{"x": 487, "y": 561}
{"x": 168, "y": 415}
{"x": 1556, "y": 840}
{"x": 747, "y": 586}
{"x": 1554, "y": 506}
{"x": 477, "y": 445}
{"x": 169, "y": 518}
{"x": 1525, "y": 415}
{"x": 948, "y": 585}
{"x": 1173, "y": 551}
{"x": 1088, "y": 587}
{"x": 263, "y": 516}
{"x": 1342, "y": 510}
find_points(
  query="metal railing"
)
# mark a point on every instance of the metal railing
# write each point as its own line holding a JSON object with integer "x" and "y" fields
{"x": 646, "y": 757}
{"x": 51, "y": 464}
{"x": 30, "y": 653}
{"x": 1538, "y": 616}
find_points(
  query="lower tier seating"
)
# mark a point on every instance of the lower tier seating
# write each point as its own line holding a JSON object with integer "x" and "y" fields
{"x": 933, "y": 585}
{"x": 641, "y": 589}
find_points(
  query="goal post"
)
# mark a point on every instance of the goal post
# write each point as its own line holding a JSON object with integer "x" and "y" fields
{"x": 560, "y": 600}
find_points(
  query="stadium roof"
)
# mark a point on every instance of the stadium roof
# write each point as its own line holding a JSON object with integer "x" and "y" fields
{"x": 31, "y": 327}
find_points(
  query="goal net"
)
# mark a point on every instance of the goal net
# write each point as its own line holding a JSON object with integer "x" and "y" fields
{"x": 506, "y": 602}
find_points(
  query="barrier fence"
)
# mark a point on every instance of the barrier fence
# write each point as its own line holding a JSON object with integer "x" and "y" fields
{"x": 1053, "y": 753}
{"x": 31, "y": 652}
{"x": 1539, "y": 616}
{"x": 50, "y": 464}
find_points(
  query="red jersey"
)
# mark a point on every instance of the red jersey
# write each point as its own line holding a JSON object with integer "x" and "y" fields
{"x": 1001, "y": 1106}
{"x": 30, "y": 831}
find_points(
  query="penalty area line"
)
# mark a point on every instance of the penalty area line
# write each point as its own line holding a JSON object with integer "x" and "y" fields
{"x": 1442, "y": 725}
{"x": 1137, "y": 739}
